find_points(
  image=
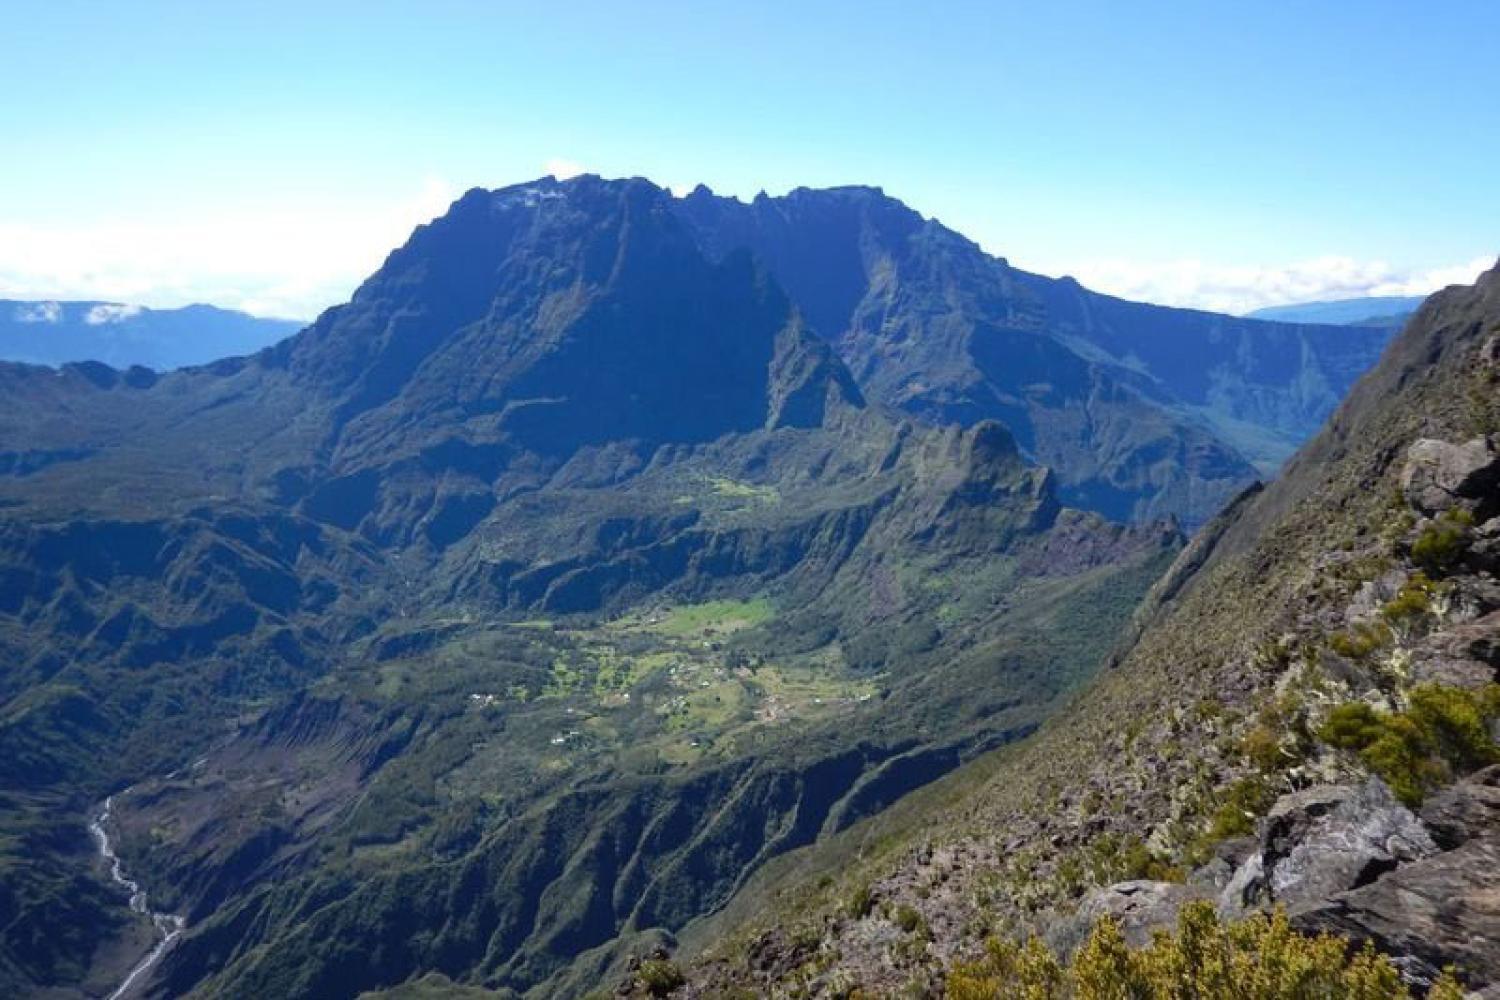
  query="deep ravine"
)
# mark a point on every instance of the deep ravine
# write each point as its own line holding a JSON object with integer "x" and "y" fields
{"x": 168, "y": 925}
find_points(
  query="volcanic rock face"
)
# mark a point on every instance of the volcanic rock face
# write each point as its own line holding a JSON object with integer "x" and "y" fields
{"x": 1353, "y": 861}
{"x": 1323, "y": 841}
{"x": 1439, "y": 908}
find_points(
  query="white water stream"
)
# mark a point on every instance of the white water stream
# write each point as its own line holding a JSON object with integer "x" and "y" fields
{"x": 168, "y": 925}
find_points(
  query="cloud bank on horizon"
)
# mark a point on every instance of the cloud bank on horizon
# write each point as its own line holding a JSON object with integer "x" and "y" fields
{"x": 1238, "y": 289}
{"x": 298, "y": 261}
{"x": 290, "y": 263}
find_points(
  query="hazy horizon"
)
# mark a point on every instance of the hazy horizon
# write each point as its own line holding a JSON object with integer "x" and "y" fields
{"x": 267, "y": 160}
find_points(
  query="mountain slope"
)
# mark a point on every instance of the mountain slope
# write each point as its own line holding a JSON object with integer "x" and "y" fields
{"x": 431, "y": 630}
{"x": 1351, "y": 587}
{"x": 1142, "y": 410}
{"x": 55, "y": 333}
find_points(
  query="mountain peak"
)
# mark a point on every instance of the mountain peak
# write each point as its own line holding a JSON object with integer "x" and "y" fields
{"x": 554, "y": 314}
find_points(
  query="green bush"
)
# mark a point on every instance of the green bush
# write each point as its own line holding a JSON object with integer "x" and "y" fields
{"x": 1261, "y": 747}
{"x": 908, "y": 919}
{"x": 1360, "y": 640}
{"x": 660, "y": 976}
{"x": 1242, "y": 802}
{"x": 860, "y": 902}
{"x": 1412, "y": 604}
{"x": 1455, "y": 724}
{"x": 1353, "y": 725}
{"x": 1444, "y": 733}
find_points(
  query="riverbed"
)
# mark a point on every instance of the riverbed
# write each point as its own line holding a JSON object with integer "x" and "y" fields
{"x": 168, "y": 925}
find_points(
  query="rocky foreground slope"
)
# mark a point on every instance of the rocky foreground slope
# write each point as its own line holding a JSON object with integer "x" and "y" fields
{"x": 1305, "y": 720}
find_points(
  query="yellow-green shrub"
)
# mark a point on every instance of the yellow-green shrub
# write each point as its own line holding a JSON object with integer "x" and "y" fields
{"x": 660, "y": 976}
{"x": 1412, "y": 603}
{"x": 1258, "y": 958}
{"x": 1441, "y": 544}
{"x": 1360, "y": 640}
{"x": 1444, "y": 733}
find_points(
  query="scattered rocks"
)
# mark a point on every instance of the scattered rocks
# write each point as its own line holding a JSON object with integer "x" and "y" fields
{"x": 1484, "y": 547}
{"x": 1467, "y": 655}
{"x": 1229, "y": 856}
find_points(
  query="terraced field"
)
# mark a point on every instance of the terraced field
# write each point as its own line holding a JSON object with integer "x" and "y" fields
{"x": 665, "y": 685}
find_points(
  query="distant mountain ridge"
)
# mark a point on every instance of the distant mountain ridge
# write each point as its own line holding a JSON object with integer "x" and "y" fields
{"x": 1371, "y": 310}
{"x": 50, "y": 332}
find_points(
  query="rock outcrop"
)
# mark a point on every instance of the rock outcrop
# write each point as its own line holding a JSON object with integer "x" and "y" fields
{"x": 1440, "y": 910}
{"x": 1440, "y": 475}
{"x": 1325, "y": 840}
{"x": 1353, "y": 861}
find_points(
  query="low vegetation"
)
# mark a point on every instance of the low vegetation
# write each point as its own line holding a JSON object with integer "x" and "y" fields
{"x": 659, "y": 976}
{"x": 1258, "y": 958}
{"x": 1445, "y": 732}
{"x": 1439, "y": 546}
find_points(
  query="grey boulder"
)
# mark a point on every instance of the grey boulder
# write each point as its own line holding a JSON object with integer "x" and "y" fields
{"x": 1140, "y": 907}
{"x": 1325, "y": 840}
{"x": 1439, "y": 475}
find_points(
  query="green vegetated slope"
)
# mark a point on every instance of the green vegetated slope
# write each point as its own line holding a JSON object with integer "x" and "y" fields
{"x": 508, "y": 615}
{"x": 1334, "y": 625}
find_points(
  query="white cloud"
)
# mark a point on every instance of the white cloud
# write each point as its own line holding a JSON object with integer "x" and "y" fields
{"x": 1243, "y": 288}
{"x": 293, "y": 261}
{"x": 38, "y": 312}
{"x": 562, "y": 169}
{"x": 110, "y": 312}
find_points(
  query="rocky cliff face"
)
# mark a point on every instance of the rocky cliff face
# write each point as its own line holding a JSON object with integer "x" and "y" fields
{"x": 1143, "y": 411}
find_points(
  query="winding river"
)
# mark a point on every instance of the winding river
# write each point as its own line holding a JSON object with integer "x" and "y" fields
{"x": 168, "y": 925}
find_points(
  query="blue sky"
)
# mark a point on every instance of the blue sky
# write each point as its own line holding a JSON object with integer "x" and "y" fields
{"x": 1227, "y": 155}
